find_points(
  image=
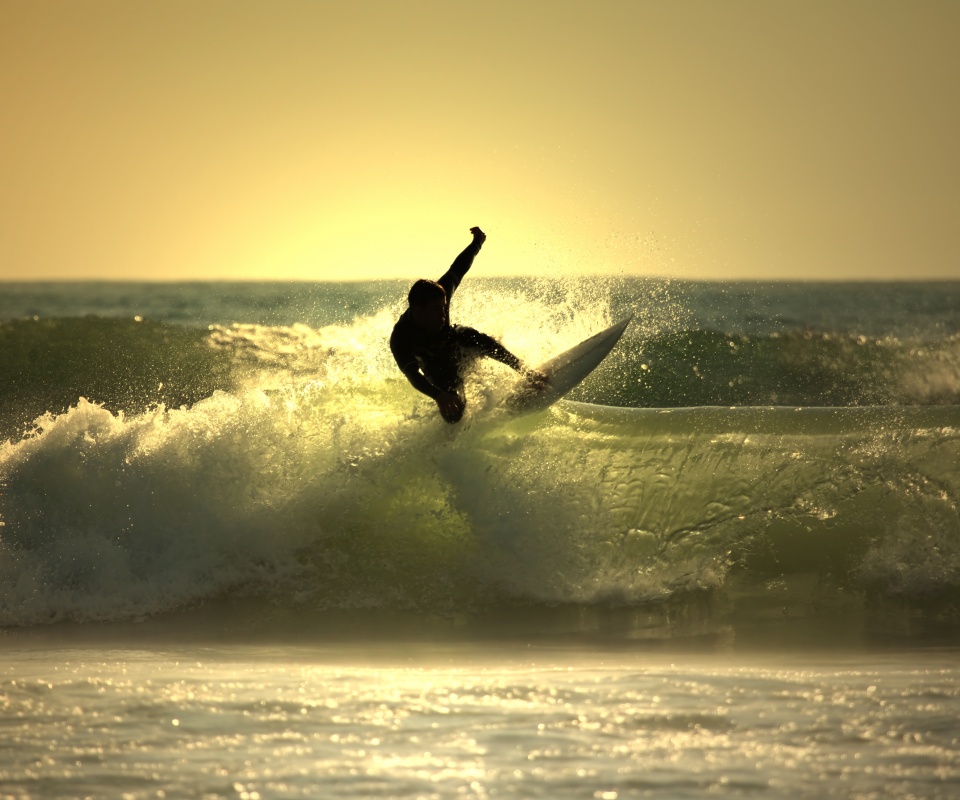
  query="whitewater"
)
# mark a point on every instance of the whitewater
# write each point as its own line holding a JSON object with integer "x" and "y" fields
{"x": 240, "y": 556}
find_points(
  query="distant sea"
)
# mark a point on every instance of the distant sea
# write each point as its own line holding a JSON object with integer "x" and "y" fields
{"x": 240, "y": 557}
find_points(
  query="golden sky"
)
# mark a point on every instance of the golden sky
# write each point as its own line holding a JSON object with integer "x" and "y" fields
{"x": 313, "y": 139}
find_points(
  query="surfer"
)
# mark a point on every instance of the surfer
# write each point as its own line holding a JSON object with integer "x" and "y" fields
{"x": 431, "y": 352}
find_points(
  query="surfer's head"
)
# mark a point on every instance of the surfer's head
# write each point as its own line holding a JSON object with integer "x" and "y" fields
{"x": 428, "y": 304}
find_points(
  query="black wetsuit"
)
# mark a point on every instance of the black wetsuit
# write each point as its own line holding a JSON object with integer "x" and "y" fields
{"x": 442, "y": 355}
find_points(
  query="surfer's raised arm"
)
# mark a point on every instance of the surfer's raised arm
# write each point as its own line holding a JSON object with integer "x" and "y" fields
{"x": 462, "y": 263}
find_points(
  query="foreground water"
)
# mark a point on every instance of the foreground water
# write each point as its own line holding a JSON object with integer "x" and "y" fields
{"x": 240, "y": 557}
{"x": 455, "y": 719}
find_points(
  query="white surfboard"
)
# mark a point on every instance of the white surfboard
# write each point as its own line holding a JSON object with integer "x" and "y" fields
{"x": 565, "y": 371}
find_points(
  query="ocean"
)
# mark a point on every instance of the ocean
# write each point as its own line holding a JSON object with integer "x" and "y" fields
{"x": 240, "y": 557}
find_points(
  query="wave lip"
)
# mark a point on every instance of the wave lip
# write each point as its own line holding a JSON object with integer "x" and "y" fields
{"x": 132, "y": 364}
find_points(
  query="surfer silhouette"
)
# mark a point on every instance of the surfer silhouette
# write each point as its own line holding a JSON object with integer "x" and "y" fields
{"x": 434, "y": 354}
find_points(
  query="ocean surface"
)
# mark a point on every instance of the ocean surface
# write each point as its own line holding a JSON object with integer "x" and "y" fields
{"x": 241, "y": 557}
